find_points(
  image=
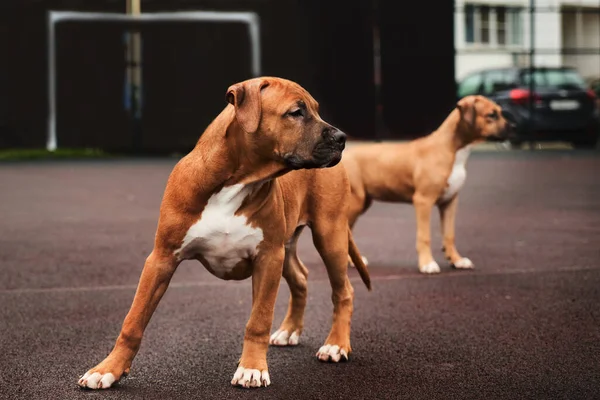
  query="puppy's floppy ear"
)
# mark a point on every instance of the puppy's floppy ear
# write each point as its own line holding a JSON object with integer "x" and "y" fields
{"x": 245, "y": 97}
{"x": 466, "y": 107}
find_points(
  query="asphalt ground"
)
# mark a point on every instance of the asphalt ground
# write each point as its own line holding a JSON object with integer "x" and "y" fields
{"x": 525, "y": 324}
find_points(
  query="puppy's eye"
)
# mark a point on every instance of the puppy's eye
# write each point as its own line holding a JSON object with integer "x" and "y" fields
{"x": 297, "y": 113}
{"x": 493, "y": 115}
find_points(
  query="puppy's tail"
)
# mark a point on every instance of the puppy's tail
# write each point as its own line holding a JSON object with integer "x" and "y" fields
{"x": 358, "y": 261}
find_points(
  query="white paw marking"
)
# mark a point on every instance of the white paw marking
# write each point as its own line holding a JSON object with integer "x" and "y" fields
{"x": 250, "y": 378}
{"x": 283, "y": 338}
{"x": 464, "y": 263}
{"x": 331, "y": 352}
{"x": 365, "y": 261}
{"x": 220, "y": 236}
{"x": 96, "y": 380}
{"x": 431, "y": 268}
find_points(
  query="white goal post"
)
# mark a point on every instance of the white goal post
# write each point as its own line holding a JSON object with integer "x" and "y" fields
{"x": 251, "y": 19}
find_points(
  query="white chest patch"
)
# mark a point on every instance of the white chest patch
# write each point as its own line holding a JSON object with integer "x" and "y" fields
{"x": 458, "y": 176}
{"x": 222, "y": 238}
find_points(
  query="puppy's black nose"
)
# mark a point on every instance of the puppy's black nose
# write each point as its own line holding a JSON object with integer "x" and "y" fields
{"x": 339, "y": 136}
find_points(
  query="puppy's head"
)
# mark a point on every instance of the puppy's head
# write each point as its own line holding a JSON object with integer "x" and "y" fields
{"x": 482, "y": 119}
{"x": 280, "y": 122}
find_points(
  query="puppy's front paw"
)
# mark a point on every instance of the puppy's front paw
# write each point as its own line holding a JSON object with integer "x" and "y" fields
{"x": 463, "y": 263}
{"x": 105, "y": 374}
{"x": 430, "y": 268}
{"x": 96, "y": 380}
{"x": 250, "y": 378}
{"x": 282, "y": 337}
{"x": 333, "y": 353}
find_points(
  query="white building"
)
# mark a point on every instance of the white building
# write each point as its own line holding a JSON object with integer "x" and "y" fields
{"x": 492, "y": 33}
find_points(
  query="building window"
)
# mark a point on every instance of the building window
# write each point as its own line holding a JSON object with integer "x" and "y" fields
{"x": 495, "y": 26}
{"x": 515, "y": 25}
{"x": 501, "y": 25}
{"x": 484, "y": 25}
{"x": 470, "y": 23}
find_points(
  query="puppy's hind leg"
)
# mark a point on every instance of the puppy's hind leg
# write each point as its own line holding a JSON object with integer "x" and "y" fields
{"x": 331, "y": 241}
{"x": 448, "y": 219}
{"x": 295, "y": 274}
{"x": 423, "y": 205}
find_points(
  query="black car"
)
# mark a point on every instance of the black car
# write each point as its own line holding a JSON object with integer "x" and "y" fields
{"x": 561, "y": 107}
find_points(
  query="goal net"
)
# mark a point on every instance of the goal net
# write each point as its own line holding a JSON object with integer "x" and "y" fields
{"x": 250, "y": 19}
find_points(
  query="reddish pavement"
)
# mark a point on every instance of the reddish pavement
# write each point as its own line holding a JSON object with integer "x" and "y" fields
{"x": 524, "y": 325}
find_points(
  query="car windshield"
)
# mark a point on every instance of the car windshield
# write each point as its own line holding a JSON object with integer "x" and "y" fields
{"x": 555, "y": 78}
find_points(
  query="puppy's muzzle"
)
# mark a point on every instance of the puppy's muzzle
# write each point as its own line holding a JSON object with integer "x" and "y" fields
{"x": 508, "y": 131}
{"x": 326, "y": 153}
{"x": 338, "y": 137}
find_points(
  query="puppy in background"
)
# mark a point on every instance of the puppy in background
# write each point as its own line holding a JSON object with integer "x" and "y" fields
{"x": 427, "y": 172}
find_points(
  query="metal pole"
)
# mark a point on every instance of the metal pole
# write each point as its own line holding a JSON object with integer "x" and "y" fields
{"x": 531, "y": 61}
{"x": 51, "y": 143}
{"x": 134, "y": 74}
{"x": 254, "y": 34}
{"x": 377, "y": 73}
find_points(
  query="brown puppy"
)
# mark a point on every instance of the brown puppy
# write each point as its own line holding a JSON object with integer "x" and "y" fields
{"x": 229, "y": 205}
{"x": 427, "y": 171}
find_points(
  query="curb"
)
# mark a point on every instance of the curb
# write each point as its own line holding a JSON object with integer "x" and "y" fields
{"x": 484, "y": 147}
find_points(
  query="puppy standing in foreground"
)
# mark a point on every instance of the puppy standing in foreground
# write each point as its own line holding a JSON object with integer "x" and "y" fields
{"x": 427, "y": 171}
{"x": 229, "y": 205}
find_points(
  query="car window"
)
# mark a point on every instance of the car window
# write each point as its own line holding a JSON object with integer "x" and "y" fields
{"x": 497, "y": 81}
{"x": 566, "y": 79}
{"x": 469, "y": 85}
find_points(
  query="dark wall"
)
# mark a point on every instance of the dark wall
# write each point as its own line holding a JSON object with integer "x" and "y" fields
{"x": 185, "y": 79}
{"x": 188, "y": 67}
{"x": 23, "y": 69}
{"x": 90, "y": 74}
{"x": 326, "y": 46}
{"x": 339, "y": 39}
{"x": 417, "y": 57}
